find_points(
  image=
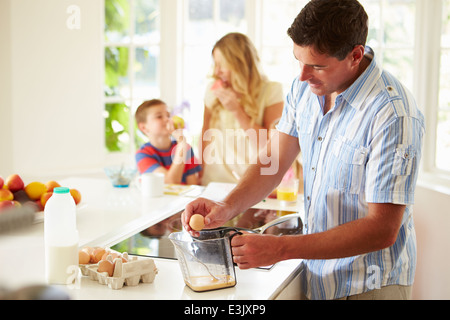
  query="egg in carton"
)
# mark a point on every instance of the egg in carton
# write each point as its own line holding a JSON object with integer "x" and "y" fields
{"x": 84, "y": 267}
{"x": 129, "y": 273}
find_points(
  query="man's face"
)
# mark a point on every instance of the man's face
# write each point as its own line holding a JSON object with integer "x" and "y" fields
{"x": 325, "y": 75}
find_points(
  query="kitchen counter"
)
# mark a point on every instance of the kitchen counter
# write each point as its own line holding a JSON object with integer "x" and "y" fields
{"x": 108, "y": 215}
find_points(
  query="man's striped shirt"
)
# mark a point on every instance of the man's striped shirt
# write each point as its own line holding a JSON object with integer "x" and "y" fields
{"x": 366, "y": 149}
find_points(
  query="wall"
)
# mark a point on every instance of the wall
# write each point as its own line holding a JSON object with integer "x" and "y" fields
{"x": 5, "y": 89}
{"x": 55, "y": 92}
{"x": 432, "y": 221}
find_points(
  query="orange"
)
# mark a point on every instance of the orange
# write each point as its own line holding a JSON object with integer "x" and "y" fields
{"x": 51, "y": 185}
{"x": 45, "y": 198}
{"x": 76, "y": 195}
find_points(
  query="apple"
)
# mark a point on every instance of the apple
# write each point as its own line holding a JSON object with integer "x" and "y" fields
{"x": 14, "y": 183}
{"x": 39, "y": 205}
{"x": 76, "y": 195}
{"x": 6, "y": 195}
{"x": 178, "y": 122}
{"x": 6, "y": 205}
{"x": 2, "y": 182}
{"x": 217, "y": 84}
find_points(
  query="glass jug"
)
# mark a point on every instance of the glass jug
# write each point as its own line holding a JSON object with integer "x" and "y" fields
{"x": 205, "y": 264}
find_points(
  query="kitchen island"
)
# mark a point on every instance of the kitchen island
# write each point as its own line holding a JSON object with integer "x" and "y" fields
{"x": 108, "y": 215}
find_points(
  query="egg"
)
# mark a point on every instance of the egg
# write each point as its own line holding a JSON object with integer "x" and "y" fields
{"x": 97, "y": 255}
{"x": 197, "y": 222}
{"x": 83, "y": 257}
{"x": 114, "y": 256}
{"x": 124, "y": 260}
{"x": 88, "y": 249}
{"x": 106, "y": 266}
{"x": 105, "y": 255}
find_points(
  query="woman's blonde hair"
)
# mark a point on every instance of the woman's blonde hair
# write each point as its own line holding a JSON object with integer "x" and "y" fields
{"x": 246, "y": 77}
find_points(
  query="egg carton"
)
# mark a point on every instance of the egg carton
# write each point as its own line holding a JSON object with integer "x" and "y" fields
{"x": 84, "y": 268}
{"x": 129, "y": 273}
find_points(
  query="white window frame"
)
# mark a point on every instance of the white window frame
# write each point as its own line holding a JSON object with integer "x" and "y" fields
{"x": 127, "y": 157}
{"x": 426, "y": 88}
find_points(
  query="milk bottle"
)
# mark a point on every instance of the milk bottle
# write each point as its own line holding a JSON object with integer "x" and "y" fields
{"x": 60, "y": 237}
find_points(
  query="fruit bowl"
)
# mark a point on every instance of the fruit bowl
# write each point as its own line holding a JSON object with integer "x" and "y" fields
{"x": 120, "y": 176}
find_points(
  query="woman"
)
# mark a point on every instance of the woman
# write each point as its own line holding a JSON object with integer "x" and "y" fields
{"x": 241, "y": 106}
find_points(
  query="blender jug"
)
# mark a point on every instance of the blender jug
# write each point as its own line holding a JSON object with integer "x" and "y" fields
{"x": 205, "y": 264}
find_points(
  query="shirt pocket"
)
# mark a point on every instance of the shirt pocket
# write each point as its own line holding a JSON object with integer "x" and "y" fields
{"x": 404, "y": 160}
{"x": 348, "y": 163}
{"x": 304, "y": 124}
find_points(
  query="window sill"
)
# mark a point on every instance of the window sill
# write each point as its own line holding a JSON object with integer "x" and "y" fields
{"x": 437, "y": 182}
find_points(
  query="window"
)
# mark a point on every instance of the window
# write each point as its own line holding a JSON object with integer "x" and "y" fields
{"x": 433, "y": 91}
{"x": 132, "y": 37}
{"x": 443, "y": 123}
{"x": 275, "y": 46}
{"x": 406, "y": 36}
{"x": 391, "y": 36}
{"x": 205, "y": 21}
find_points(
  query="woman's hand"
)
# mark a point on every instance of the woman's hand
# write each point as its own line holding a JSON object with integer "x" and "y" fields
{"x": 229, "y": 98}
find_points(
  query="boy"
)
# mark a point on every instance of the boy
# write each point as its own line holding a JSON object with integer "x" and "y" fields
{"x": 174, "y": 158}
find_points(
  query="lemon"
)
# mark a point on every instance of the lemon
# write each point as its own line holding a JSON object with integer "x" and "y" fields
{"x": 35, "y": 190}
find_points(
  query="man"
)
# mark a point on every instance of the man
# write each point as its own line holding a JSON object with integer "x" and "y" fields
{"x": 360, "y": 134}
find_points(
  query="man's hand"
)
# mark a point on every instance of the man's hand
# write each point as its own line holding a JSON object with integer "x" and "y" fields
{"x": 215, "y": 213}
{"x": 256, "y": 250}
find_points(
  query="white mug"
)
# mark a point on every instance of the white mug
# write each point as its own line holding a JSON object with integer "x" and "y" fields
{"x": 152, "y": 184}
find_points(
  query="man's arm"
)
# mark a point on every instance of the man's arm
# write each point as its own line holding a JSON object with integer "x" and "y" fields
{"x": 261, "y": 179}
{"x": 282, "y": 150}
{"x": 377, "y": 231}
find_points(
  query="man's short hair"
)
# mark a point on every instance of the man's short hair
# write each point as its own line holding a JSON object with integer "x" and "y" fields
{"x": 332, "y": 27}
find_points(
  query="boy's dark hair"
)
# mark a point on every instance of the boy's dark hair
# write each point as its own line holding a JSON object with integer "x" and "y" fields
{"x": 332, "y": 27}
{"x": 141, "y": 112}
